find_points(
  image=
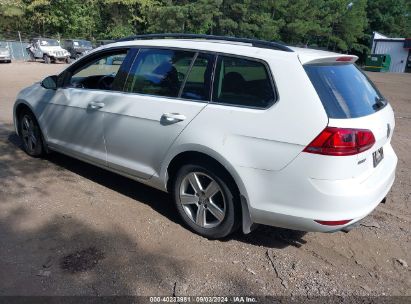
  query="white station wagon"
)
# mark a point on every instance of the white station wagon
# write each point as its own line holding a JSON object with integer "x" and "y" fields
{"x": 239, "y": 131}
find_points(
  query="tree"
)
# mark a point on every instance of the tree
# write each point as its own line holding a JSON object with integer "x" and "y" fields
{"x": 248, "y": 18}
{"x": 390, "y": 17}
{"x": 183, "y": 16}
{"x": 305, "y": 22}
{"x": 125, "y": 17}
{"x": 343, "y": 25}
{"x": 348, "y": 25}
{"x": 11, "y": 13}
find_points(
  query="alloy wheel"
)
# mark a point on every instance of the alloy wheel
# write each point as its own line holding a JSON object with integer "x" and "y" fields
{"x": 202, "y": 200}
{"x": 28, "y": 134}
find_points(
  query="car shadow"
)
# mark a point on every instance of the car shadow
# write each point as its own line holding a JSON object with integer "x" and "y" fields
{"x": 162, "y": 203}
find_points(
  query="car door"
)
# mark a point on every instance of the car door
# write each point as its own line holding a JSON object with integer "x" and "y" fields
{"x": 73, "y": 119}
{"x": 165, "y": 90}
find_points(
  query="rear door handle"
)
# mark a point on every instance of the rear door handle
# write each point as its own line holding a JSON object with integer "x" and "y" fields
{"x": 172, "y": 117}
{"x": 96, "y": 105}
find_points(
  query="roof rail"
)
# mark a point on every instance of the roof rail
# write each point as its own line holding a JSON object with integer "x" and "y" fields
{"x": 254, "y": 42}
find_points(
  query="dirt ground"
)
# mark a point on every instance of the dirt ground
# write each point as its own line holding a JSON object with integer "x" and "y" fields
{"x": 68, "y": 228}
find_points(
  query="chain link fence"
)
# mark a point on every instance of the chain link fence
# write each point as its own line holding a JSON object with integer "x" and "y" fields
{"x": 17, "y": 49}
{"x": 17, "y": 42}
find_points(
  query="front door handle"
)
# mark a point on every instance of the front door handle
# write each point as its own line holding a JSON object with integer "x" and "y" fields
{"x": 96, "y": 105}
{"x": 171, "y": 118}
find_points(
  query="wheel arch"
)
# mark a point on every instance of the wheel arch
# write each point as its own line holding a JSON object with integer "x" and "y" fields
{"x": 204, "y": 156}
{"x": 19, "y": 107}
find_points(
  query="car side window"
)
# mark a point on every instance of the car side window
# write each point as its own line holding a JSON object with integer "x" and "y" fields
{"x": 198, "y": 82}
{"x": 159, "y": 72}
{"x": 242, "y": 82}
{"x": 102, "y": 72}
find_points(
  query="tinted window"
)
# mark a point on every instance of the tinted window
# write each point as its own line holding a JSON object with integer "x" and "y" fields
{"x": 159, "y": 72}
{"x": 242, "y": 82}
{"x": 344, "y": 90}
{"x": 108, "y": 65}
{"x": 102, "y": 72}
{"x": 49, "y": 42}
{"x": 198, "y": 83}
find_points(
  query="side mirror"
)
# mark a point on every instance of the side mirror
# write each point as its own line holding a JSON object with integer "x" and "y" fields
{"x": 50, "y": 82}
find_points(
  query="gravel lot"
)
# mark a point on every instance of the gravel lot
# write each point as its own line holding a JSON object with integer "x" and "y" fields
{"x": 68, "y": 228}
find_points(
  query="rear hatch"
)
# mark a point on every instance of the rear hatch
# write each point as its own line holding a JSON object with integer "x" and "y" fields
{"x": 355, "y": 106}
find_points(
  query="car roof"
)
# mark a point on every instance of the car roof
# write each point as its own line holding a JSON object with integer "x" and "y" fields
{"x": 305, "y": 55}
{"x": 218, "y": 46}
{"x": 43, "y": 38}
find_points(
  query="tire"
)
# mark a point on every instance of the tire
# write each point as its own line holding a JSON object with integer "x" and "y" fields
{"x": 68, "y": 60}
{"x": 31, "y": 135}
{"x": 214, "y": 216}
{"x": 46, "y": 59}
{"x": 32, "y": 57}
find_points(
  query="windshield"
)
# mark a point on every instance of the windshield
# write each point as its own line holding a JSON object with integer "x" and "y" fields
{"x": 82, "y": 43}
{"x": 345, "y": 91}
{"x": 49, "y": 42}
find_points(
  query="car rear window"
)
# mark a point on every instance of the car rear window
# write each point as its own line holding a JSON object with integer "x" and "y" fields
{"x": 345, "y": 91}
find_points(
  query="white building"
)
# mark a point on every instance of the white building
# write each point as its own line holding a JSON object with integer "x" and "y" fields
{"x": 398, "y": 48}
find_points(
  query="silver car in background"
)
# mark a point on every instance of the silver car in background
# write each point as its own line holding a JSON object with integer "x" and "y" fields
{"x": 5, "y": 55}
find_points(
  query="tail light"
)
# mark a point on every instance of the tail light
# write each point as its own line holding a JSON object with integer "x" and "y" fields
{"x": 341, "y": 142}
{"x": 344, "y": 59}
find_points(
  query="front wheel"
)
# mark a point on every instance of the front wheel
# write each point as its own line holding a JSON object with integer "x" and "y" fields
{"x": 205, "y": 200}
{"x": 30, "y": 134}
{"x": 31, "y": 55}
{"x": 46, "y": 59}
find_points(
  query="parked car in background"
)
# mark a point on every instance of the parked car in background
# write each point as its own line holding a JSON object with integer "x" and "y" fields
{"x": 239, "y": 131}
{"x": 47, "y": 49}
{"x": 77, "y": 47}
{"x": 5, "y": 55}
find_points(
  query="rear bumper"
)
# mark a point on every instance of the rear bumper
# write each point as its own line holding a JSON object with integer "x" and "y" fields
{"x": 5, "y": 58}
{"x": 290, "y": 199}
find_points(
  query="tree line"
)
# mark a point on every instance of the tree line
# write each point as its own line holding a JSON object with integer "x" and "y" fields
{"x": 341, "y": 25}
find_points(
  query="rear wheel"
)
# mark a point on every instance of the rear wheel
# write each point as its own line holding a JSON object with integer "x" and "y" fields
{"x": 205, "y": 200}
{"x": 30, "y": 134}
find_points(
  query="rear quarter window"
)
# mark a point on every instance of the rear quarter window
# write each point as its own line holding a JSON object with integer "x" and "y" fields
{"x": 242, "y": 82}
{"x": 345, "y": 91}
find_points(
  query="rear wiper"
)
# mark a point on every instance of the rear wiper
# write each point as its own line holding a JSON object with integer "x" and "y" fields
{"x": 379, "y": 103}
